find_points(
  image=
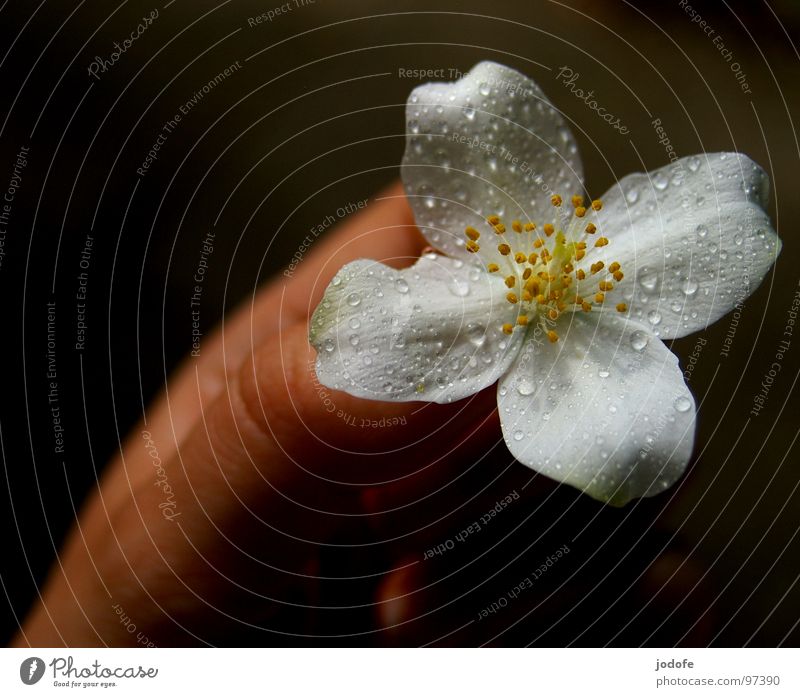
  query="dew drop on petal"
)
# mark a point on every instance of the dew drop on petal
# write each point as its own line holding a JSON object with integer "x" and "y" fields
{"x": 648, "y": 280}
{"x": 354, "y": 323}
{"x": 638, "y": 340}
{"x": 660, "y": 181}
{"x": 401, "y": 285}
{"x": 603, "y": 373}
{"x": 328, "y": 345}
{"x": 682, "y": 404}
{"x": 689, "y": 287}
{"x": 654, "y": 317}
{"x": 354, "y": 300}
{"x": 484, "y": 89}
{"x": 518, "y": 435}
{"x": 459, "y": 288}
{"x": 526, "y": 387}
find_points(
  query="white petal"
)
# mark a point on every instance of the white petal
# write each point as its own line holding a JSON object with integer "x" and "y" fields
{"x": 490, "y": 143}
{"x": 604, "y": 409}
{"x": 432, "y": 332}
{"x": 693, "y": 240}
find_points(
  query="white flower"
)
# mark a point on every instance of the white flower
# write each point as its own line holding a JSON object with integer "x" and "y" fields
{"x": 563, "y": 304}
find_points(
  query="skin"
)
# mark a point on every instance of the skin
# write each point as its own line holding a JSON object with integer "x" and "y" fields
{"x": 242, "y": 434}
{"x": 263, "y": 476}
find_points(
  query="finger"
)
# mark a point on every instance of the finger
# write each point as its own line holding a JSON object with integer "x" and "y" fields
{"x": 384, "y": 231}
{"x": 257, "y": 486}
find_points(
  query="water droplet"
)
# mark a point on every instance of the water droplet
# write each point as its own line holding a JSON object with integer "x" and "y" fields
{"x": 401, "y": 285}
{"x": 354, "y": 323}
{"x": 477, "y": 335}
{"x": 603, "y": 373}
{"x": 518, "y": 435}
{"x": 469, "y": 112}
{"x": 632, "y": 195}
{"x": 701, "y": 230}
{"x": 459, "y": 287}
{"x": 648, "y": 280}
{"x": 354, "y": 300}
{"x": 654, "y": 317}
{"x": 354, "y": 339}
{"x": 413, "y": 126}
{"x": 484, "y": 89}
{"x": 336, "y": 281}
{"x": 526, "y": 387}
{"x": 328, "y": 345}
{"x": 689, "y": 287}
{"x": 639, "y": 340}
{"x": 660, "y": 181}
{"x": 682, "y": 404}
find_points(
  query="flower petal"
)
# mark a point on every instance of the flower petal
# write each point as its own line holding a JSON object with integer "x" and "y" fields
{"x": 692, "y": 238}
{"x": 604, "y": 409}
{"x": 431, "y": 332}
{"x": 489, "y": 144}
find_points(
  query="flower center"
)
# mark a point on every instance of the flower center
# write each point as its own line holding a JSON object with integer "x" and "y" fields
{"x": 543, "y": 270}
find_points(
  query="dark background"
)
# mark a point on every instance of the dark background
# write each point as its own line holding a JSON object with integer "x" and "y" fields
{"x": 313, "y": 120}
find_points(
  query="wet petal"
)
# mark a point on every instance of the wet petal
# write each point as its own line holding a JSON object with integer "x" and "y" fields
{"x": 490, "y": 143}
{"x": 432, "y": 332}
{"x": 692, "y": 239}
{"x": 604, "y": 409}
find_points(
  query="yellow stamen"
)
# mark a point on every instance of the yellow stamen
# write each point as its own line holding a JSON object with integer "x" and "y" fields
{"x": 522, "y": 320}
{"x": 618, "y": 275}
{"x": 499, "y": 228}
{"x": 597, "y": 204}
{"x": 553, "y": 314}
{"x": 591, "y": 228}
{"x": 580, "y": 274}
{"x": 492, "y": 268}
{"x": 526, "y": 274}
{"x": 520, "y": 258}
{"x": 508, "y": 328}
{"x": 580, "y": 211}
{"x": 472, "y": 233}
{"x": 538, "y": 242}
{"x": 613, "y": 267}
{"x": 599, "y": 297}
{"x": 516, "y": 226}
{"x": 472, "y": 246}
{"x": 504, "y": 249}
{"x": 552, "y": 336}
{"x": 606, "y": 285}
{"x": 555, "y": 199}
{"x": 597, "y": 266}
{"x": 549, "y": 229}
{"x": 621, "y": 307}
{"x": 601, "y": 242}
{"x": 577, "y": 201}
{"x": 493, "y": 219}
{"x": 530, "y": 226}
{"x": 511, "y": 281}
{"x": 512, "y": 298}
{"x": 586, "y": 307}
